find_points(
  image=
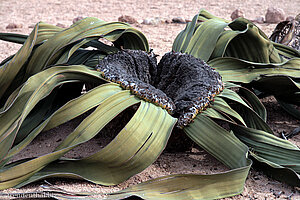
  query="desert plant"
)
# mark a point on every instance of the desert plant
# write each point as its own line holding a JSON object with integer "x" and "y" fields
{"x": 288, "y": 33}
{"x": 242, "y": 53}
{"x": 40, "y": 90}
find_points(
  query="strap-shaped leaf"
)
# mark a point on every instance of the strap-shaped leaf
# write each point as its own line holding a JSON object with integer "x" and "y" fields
{"x": 13, "y": 37}
{"x": 223, "y": 41}
{"x": 272, "y": 151}
{"x": 85, "y": 57}
{"x": 134, "y": 148}
{"x": 198, "y": 186}
{"x": 107, "y": 110}
{"x": 10, "y": 69}
{"x": 35, "y": 117}
{"x": 286, "y": 50}
{"x": 36, "y": 88}
{"x": 197, "y": 44}
{"x": 184, "y": 37}
{"x": 210, "y": 112}
{"x": 237, "y": 70}
{"x": 46, "y": 31}
{"x": 85, "y": 131}
{"x": 251, "y": 45}
{"x": 276, "y": 171}
{"x": 66, "y": 54}
{"x": 50, "y": 50}
{"x": 221, "y": 105}
{"x": 283, "y": 87}
{"x": 231, "y": 95}
{"x": 67, "y": 112}
{"x": 273, "y": 154}
{"x": 255, "y": 103}
{"x": 80, "y": 105}
{"x": 204, "y": 132}
{"x": 252, "y": 113}
{"x": 189, "y": 186}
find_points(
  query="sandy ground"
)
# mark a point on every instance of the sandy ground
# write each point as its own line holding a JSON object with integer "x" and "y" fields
{"x": 160, "y": 37}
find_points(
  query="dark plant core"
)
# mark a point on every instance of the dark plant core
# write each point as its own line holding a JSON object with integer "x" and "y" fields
{"x": 134, "y": 69}
{"x": 189, "y": 82}
{"x": 180, "y": 83}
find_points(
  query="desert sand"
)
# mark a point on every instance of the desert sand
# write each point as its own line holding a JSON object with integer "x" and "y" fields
{"x": 28, "y": 13}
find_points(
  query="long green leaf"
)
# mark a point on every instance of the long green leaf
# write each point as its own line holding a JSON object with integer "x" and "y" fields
{"x": 50, "y": 51}
{"x": 221, "y": 105}
{"x": 69, "y": 111}
{"x": 251, "y": 45}
{"x": 237, "y": 70}
{"x": 189, "y": 186}
{"x": 275, "y": 152}
{"x": 255, "y": 103}
{"x": 210, "y": 30}
{"x": 183, "y": 39}
{"x": 134, "y": 148}
{"x": 283, "y": 87}
{"x": 84, "y": 131}
{"x": 36, "y": 88}
{"x": 10, "y": 69}
{"x": 204, "y": 132}
{"x": 13, "y": 37}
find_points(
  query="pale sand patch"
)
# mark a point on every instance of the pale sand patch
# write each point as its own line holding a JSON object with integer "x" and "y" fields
{"x": 160, "y": 37}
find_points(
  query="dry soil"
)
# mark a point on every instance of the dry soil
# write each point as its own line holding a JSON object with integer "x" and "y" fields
{"x": 29, "y": 12}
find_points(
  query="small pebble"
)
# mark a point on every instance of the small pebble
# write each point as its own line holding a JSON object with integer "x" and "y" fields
{"x": 275, "y": 15}
{"x": 14, "y": 26}
{"x": 179, "y": 20}
{"x": 259, "y": 20}
{"x": 127, "y": 19}
{"x": 152, "y": 21}
{"x": 236, "y": 14}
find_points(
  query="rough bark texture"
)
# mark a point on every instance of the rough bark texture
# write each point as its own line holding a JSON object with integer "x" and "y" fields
{"x": 133, "y": 70}
{"x": 189, "y": 82}
{"x": 180, "y": 83}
